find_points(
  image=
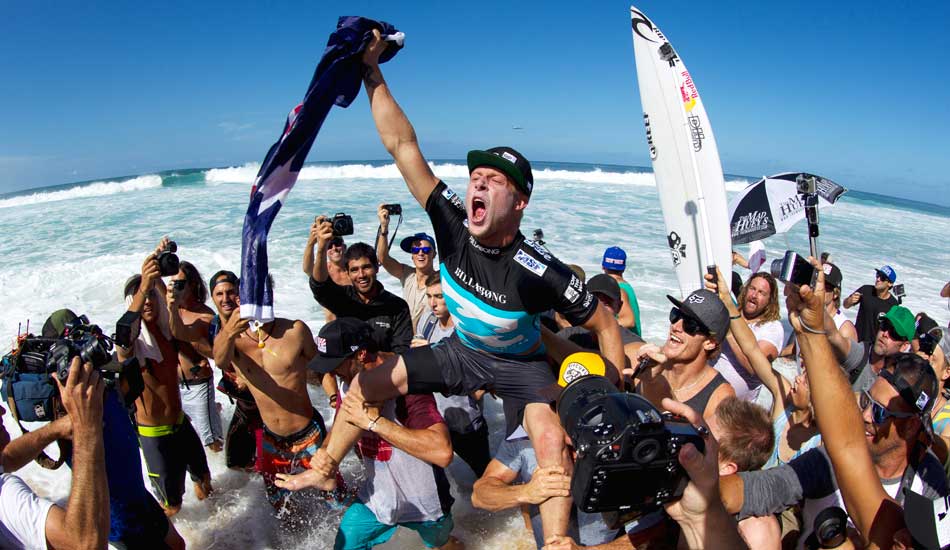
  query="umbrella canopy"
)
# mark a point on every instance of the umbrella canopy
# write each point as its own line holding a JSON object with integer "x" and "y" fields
{"x": 772, "y": 205}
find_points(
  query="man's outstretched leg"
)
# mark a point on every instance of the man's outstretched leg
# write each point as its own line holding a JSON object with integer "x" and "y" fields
{"x": 547, "y": 438}
{"x": 384, "y": 382}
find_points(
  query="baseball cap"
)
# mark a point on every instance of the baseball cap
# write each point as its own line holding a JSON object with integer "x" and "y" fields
{"x": 337, "y": 340}
{"x": 888, "y": 272}
{"x": 945, "y": 346}
{"x": 223, "y": 276}
{"x": 914, "y": 379}
{"x": 406, "y": 244}
{"x": 57, "y": 322}
{"x": 605, "y": 284}
{"x": 614, "y": 258}
{"x": 574, "y": 366}
{"x": 578, "y": 270}
{"x": 706, "y": 307}
{"x": 832, "y": 275}
{"x": 924, "y": 325}
{"x": 509, "y": 161}
{"x": 902, "y": 320}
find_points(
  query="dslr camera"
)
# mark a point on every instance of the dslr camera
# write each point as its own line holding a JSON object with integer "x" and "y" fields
{"x": 83, "y": 340}
{"x": 168, "y": 263}
{"x": 794, "y": 269}
{"x": 342, "y": 224}
{"x": 393, "y": 209}
{"x": 627, "y": 451}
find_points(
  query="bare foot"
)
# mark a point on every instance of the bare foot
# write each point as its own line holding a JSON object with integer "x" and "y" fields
{"x": 203, "y": 488}
{"x": 306, "y": 479}
{"x": 216, "y": 446}
{"x": 171, "y": 510}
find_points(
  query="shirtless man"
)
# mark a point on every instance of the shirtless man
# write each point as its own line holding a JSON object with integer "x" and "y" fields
{"x": 168, "y": 441}
{"x": 186, "y": 308}
{"x": 273, "y": 360}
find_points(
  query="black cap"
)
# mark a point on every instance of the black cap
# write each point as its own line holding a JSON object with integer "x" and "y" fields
{"x": 605, "y": 284}
{"x": 57, "y": 323}
{"x": 925, "y": 324}
{"x": 832, "y": 275}
{"x": 509, "y": 161}
{"x": 339, "y": 339}
{"x": 706, "y": 307}
{"x": 223, "y": 276}
{"x": 915, "y": 381}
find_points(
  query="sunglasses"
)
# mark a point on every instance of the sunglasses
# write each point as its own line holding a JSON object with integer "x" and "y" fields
{"x": 879, "y": 413}
{"x": 691, "y": 325}
{"x": 882, "y": 277}
{"x": 336, "y": 244}
{"x": 423, "y": 249}
{"x": 887, "y": 327}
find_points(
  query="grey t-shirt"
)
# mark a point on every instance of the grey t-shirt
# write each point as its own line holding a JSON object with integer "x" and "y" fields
{"x": 858, "y": 367}
{"x": 809, "y": 479}
{"x": 587, "y": 529}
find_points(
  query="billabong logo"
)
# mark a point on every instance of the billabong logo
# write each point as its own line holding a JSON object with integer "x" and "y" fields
{"x": 677, "y": 248}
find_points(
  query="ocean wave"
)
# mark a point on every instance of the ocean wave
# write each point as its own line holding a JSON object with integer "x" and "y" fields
{"x": 95, "y": 189}
{"x": 246, "y": 174}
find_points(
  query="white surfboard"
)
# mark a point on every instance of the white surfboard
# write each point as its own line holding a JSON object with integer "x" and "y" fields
{"x": 685, "y": 158}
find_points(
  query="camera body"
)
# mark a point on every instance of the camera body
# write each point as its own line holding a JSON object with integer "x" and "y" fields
{"x": 927, "y": 343}
{"x": 627, "y": 451}
{"x": 794, "y": 269}
{"x": 342, "y": 224}
{"x": 168, "y": 263}
{"x": 80, "y": 340}
{"x": 393, "y": 209}
{"x": 898, "y": 291}
{"x": 806, "y": 185}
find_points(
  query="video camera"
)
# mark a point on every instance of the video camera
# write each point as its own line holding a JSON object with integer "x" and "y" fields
{"x": 168, "y": 263}
{"x": 627, "y": 451}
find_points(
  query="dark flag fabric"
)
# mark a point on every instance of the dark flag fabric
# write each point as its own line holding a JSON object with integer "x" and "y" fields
{"x": 336, "y": 81}
{"x": 773, "y": 205}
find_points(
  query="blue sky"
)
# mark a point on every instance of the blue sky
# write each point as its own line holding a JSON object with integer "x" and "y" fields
{"x": 857, "y": 92}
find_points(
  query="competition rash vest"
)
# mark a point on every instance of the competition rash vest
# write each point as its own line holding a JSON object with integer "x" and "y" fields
{"x": 496, "y": 295}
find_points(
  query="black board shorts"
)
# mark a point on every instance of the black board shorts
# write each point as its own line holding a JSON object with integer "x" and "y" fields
{"x": 169, "y": 452}
{"x": 452, "y": 368}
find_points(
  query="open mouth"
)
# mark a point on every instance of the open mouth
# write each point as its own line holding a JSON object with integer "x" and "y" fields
{"x": 479, "y": 210}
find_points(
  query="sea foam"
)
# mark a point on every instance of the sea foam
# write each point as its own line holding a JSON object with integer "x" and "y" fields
{"x": 95, "y": 189}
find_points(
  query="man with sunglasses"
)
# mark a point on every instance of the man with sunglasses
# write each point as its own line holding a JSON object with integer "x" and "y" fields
{"x": 698, "y": 326}
{"x": 421, "y": 247}
{"x": 875, "y": 300}
{"x": 335, "y": 250}
{"x": 896, "y": 409}
{"x": 863, "y": 361}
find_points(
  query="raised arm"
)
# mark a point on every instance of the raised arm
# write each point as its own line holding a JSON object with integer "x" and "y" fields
{"x": 875, "y": 514}
{"x": 308, "y": 250}
{"x": 195, "y": 333}
{"x": 741, "y": 335}
{"x": 324, "y": 232}
{"x": 393, "y": 267}
{"x": 395, "y": 131}
{"x": 22, "y": 450}
{"x": 85, "y": 522}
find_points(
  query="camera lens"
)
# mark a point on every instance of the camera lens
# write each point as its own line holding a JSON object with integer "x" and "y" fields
{"x": 645, "y": 451}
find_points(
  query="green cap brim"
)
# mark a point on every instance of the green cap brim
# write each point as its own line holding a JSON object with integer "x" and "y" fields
{"x": 478, "y": 158}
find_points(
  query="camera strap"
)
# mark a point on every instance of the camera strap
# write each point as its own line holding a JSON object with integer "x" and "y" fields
{"x": 379, "y": 230}
{"x": 42, "y": 459}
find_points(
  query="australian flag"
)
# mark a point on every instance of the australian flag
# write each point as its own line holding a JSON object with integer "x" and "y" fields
{"x": 336, "y": 81}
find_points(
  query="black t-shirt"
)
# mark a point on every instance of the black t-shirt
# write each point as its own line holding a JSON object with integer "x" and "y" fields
{"x": 497, "y": 294}
{"x": 387, "y": 313}
{"x": 868, "y": 311}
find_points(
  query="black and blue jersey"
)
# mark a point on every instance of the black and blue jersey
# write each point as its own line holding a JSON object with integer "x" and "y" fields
{"x": 497, "y": 294}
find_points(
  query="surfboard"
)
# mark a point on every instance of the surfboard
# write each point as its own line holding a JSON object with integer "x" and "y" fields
{"x": 685, "y": 158}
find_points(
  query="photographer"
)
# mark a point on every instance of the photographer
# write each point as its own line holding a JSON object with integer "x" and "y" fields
{"x": 169, "y": 442}
{"x": 189, "y": 320}
{"x": 30, "y": 521}
{"x": 365, "y": 299}
{"x": 336, "y": 267}
{"x": 413, "y": 277}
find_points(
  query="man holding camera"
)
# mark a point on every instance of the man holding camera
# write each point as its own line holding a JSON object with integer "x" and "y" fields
{"x": 336, "y": 267}
{"x": 272, "y": 360}
{"x": 413, "y": 278}
{"x": 30, "y": 521}
{"x": 698, "y": 326}
{"x": 188, "y": 320}
{"x": 365, "y": 299}
{"x": 875, "y": 301}
{"x": 169, "y": 442}
{"x": 496, "y": 283}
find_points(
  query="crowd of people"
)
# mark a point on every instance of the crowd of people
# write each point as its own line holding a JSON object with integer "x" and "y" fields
{"x": 799, "y": 416}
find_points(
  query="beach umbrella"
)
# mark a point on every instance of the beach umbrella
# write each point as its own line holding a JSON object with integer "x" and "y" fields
{"x": 773, "y": 205}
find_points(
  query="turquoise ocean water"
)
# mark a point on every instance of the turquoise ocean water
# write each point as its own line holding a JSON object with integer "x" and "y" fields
{"x": 74, "y": 245}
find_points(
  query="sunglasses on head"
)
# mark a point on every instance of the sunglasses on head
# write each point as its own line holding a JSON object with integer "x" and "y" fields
{"x": 879, "y": 413}
{"x": 423, "y": 249}
{"x": 691, "y": 325}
